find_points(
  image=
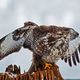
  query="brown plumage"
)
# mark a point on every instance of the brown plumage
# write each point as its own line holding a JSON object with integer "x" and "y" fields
{"x": 48, "y": 43}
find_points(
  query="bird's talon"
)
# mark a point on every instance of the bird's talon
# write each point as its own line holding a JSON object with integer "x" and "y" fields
{"x": 47, "y": 66}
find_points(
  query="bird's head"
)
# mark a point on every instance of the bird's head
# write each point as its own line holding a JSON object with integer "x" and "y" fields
{"x": 73, "y": 34}
{"x": 24, "y": 31}
{"x": 67, "y": 33}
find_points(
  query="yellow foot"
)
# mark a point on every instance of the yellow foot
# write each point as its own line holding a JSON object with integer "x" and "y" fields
{"x": 47, "y": 66}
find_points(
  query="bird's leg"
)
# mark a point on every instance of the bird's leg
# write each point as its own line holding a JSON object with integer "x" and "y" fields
{"x": 38, "y": 65}
{"x": 35, "y": 66}
{"x": 36, "y": 61}
{"x": 47, "y": 65}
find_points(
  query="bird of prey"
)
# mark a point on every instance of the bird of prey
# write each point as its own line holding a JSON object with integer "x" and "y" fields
{"x": 48, "y": 43}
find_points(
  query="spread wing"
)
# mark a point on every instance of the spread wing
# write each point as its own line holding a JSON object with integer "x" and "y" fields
{"x": 11, "y": 43}
{"x": 73, "y": 53}
{"x": 15, "y": 40}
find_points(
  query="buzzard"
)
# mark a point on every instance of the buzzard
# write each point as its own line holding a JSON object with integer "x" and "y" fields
{"x": 48, "y": 43}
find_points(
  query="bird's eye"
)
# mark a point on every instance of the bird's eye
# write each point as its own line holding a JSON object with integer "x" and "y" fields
{"x": 18, "y": 30}
{"x": 16, "y": 37}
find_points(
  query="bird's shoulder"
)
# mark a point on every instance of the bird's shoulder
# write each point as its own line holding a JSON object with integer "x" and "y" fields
{"x": 43, "y": 30}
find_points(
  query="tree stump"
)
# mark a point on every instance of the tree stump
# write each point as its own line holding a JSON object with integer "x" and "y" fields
{"x": 48, "y": 74}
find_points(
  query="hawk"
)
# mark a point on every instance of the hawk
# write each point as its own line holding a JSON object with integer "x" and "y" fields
{"x": 48, "y": 43}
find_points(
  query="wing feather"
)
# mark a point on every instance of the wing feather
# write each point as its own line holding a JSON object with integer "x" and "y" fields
{"x": 74, "y": 60}
{"x": 65, "y": 59}
{"x": 69, "y": 61}
{"x": 8, "y": 45}
{"x": 73, "y": 52}
{"x": 76, "y": 56}
{"x": 79, "y": 48}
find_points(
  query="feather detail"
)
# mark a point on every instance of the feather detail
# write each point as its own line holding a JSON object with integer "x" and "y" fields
{"x": 74, "y": 60}
{"x": 8, "y": 45}
{"x": 65, "y": 59}
{"x": 69, "y": 61}
{"x": 79, "y": 48}
{"x": 77, "y": 56}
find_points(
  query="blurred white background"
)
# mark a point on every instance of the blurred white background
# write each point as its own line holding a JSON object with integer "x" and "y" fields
{"x": 13, "y": 13}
